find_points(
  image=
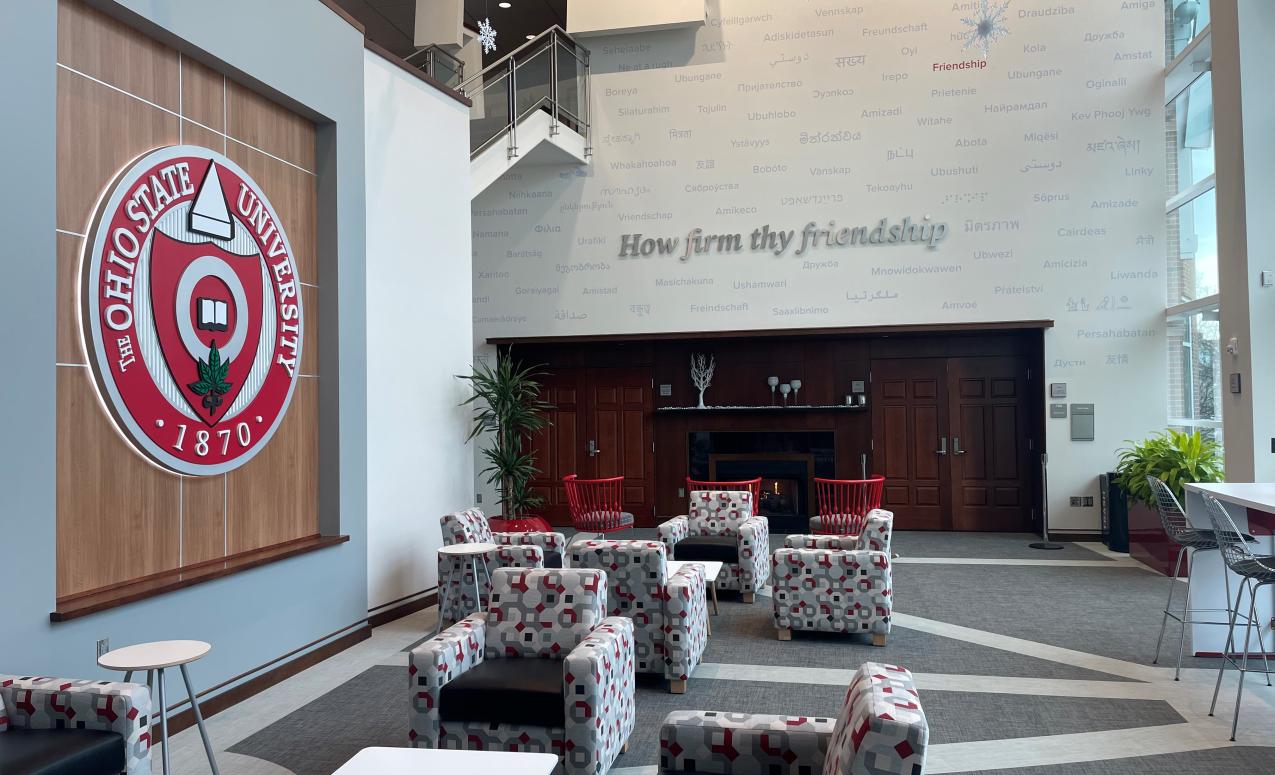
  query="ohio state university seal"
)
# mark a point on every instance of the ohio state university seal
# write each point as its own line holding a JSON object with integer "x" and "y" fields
{"x": 191, "y": 310}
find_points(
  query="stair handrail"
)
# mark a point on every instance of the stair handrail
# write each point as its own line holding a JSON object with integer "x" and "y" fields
{"x": 508, "y": 65}
{"x": 556, "y": 31}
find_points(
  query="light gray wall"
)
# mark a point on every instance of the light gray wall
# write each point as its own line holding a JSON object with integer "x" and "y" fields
{"x": 300, "y": 52}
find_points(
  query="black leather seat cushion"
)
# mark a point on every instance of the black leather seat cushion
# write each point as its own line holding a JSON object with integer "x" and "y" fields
{"x": 507, "y": 691}
{"x": 553, "y": 559}
{"x": 61, "y": 752}
{"x": 715, "y": 548}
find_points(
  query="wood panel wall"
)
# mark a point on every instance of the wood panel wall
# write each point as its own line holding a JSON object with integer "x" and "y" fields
{"x": 120, "y": 518}
{"x": 826, "y": 365}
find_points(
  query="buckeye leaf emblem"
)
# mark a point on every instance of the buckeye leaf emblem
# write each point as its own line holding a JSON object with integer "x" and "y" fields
{"x": 212, "y": 384}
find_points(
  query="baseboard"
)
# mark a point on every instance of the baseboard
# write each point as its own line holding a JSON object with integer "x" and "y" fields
{"x": 233, "y": 696}
{"x": 1085, "y": 537}
{"x": 402, "y": 609}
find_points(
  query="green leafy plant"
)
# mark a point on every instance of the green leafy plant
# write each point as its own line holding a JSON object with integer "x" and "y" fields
{"x": 212, "y": 384}
{"x": 507, "y": 403}
{"x": 1173, "y": 457}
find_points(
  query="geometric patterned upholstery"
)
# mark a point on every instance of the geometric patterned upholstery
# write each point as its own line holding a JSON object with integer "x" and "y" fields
{"x": 881, "y": 731}
{"x": 549, "y": 614}
{"x": 726, "y": 513}
{"x": 40, "y": 702}
{"x": 832, "y": 590}
{"x": 669, "y": 613}
{"x": 456, "y": 574}
{"x": 877, "y": 530}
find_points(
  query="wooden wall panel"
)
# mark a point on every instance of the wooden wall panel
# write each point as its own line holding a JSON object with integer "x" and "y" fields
{"x": 117, "y": 513}
{"x": 119, "y": 516}
{"x": 274, "y": 498}
{"x": 93, "y": 43}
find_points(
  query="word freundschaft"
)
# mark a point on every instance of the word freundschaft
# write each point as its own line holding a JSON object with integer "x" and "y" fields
{"x": 777, "y": 241}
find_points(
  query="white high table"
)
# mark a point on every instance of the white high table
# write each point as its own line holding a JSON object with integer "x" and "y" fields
{"x": 417, "y": 761}
{"x": 1252, "y": 507}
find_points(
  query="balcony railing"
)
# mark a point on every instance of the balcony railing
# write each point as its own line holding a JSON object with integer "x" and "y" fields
{"x": 549, "y": 72}
{"x": 439, "y": 64}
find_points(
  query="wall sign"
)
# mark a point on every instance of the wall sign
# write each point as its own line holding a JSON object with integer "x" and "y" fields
{"x": 191, "y": 310}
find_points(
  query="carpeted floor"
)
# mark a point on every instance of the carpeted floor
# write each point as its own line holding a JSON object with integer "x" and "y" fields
{"x": 1110, "y": 612}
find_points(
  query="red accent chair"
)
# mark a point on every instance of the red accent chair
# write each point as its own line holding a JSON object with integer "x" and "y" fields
{"x": 848, "y": 507}
{"x": 595, "y": 504}
{"x": 751, "y": 485}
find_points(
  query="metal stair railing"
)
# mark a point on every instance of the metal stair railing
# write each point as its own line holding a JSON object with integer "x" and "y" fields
{"x": 550, "y": 72}
{"x": 439, "y": 64}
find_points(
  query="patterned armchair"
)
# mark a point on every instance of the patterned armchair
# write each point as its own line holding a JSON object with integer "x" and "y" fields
{"x": 832, "y": 584}
{"x": 517, "y": 550}
{"x": 544, "y": 670}
{"x": 877, "y": 529}
{"x": 669, "y": 613}
{"x": 881, "y": 731}
{"x": 721, "y": 526}
{"x": 83, "y": 726}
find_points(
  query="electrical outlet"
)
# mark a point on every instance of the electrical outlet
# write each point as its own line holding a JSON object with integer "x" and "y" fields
{"x": 103, "y": 646}
{"x": 478, "y": 497}
{"x": 1077, "y": 501}
{"x": 681, "y": 491}
{"x": 1088, "y": 501}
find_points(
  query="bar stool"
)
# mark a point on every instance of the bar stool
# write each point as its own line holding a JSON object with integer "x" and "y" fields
{"x": 1255, "y": 572}
{"x": 1190, "y": 541}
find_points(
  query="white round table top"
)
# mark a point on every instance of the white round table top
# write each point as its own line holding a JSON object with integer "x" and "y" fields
{"x": 153, "y": 656}
{"x": 711, "y": 567}
{"x": 392, "y": 761}
{"x": 467, "y": 549}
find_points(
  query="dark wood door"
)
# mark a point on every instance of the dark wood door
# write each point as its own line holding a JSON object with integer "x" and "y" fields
{"x": 990, "y": 455}
{"x": 909, "y": 423}
{"x": 600, "y": 427}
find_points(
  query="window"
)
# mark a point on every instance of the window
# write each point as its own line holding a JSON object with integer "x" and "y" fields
{"x": 1186, "y": 20}
{"x": 1192, "y": 305}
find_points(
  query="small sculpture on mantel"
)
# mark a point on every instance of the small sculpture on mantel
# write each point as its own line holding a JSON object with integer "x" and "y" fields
{"x": 702, "y": 374}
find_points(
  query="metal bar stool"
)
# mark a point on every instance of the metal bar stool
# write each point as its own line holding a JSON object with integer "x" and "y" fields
{"x": 1190, "y": 541}
{"x": 1255, "y": 572}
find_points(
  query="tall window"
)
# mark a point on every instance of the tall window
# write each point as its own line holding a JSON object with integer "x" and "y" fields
{"x": 1192, "y": 307}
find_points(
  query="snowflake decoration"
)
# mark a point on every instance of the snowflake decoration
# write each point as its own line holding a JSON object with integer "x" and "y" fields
{"x": 487, "y": 36}
{"x": 987, "y": 25}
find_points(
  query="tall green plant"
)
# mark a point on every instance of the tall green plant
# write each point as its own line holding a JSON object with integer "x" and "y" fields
{"x": 506, "y": 401}
{"x": 1173, "y": 457}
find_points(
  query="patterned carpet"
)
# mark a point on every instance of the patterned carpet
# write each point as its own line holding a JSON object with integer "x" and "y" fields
{"x": 974, "y": 693}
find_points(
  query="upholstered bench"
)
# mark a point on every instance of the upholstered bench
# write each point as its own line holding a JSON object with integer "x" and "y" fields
{"x": 57, "y": 726}
{"x": 881, "y": 731}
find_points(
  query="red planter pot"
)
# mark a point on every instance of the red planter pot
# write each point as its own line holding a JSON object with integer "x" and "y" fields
{"x": 524, "y": 524}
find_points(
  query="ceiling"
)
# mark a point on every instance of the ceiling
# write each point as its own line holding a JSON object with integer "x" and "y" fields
{"x": 391, "y": 22}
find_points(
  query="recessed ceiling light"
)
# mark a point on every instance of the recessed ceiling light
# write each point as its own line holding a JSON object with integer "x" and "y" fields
{"x": 531, "y": 37}
{"x": 506, "y": 5}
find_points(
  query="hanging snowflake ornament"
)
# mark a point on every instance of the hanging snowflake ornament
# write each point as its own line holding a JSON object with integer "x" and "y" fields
{"x": 987, "y": 25}
{"x": 487, "y": 36}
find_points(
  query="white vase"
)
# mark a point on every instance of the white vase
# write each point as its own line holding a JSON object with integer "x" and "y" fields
{"x": 701, "y": 401}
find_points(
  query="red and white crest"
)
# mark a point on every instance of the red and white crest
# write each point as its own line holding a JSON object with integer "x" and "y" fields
{"x": 191, "y": 310}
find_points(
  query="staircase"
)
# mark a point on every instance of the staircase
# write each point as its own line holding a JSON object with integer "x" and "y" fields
{"x": 530, "y": 107}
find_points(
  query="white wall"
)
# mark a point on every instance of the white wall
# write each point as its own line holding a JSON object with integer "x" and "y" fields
{"x": 599, "y": 17}
{"x": 419, "y": 325}
{"x": 1047, "y": 166}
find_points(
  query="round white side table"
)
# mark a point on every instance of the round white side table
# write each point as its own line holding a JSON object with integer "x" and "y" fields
{"x": 479, "y": 552}
{"x": 154, "y": 658}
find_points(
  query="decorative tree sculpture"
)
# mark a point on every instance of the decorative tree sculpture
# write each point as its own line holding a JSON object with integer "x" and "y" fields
{"x": 702, "y": 373}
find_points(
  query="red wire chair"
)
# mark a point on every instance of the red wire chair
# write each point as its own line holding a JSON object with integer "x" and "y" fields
{"x": 751, "y": 485}
{"x": 595, "y": 504}
{"x": 844, "y": 503}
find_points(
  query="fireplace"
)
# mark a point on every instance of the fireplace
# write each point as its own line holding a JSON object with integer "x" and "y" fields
{"x": 786, "y": 461}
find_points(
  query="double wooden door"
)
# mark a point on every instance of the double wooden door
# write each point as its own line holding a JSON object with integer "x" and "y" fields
{"x": 600, "y": 427}
{"x": 953, "y": 438}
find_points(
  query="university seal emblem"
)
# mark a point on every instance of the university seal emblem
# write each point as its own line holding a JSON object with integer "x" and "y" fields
{"x": 191, "y": 310}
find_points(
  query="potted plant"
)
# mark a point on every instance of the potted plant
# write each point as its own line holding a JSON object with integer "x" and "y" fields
{"x": 1175, "y": 458}
{"x": 507, "y": 404}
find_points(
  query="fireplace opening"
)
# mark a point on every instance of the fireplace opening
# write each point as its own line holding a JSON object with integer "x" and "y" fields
{"x": 787, "y": 463}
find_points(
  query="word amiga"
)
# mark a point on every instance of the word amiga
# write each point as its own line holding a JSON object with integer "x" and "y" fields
{"x": 905, "y": 232}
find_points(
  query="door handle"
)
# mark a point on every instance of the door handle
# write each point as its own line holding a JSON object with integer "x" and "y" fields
{"x": 956, "y": 446}
{"x": 942, "y": 450}
{"x": 593, "y": 448}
